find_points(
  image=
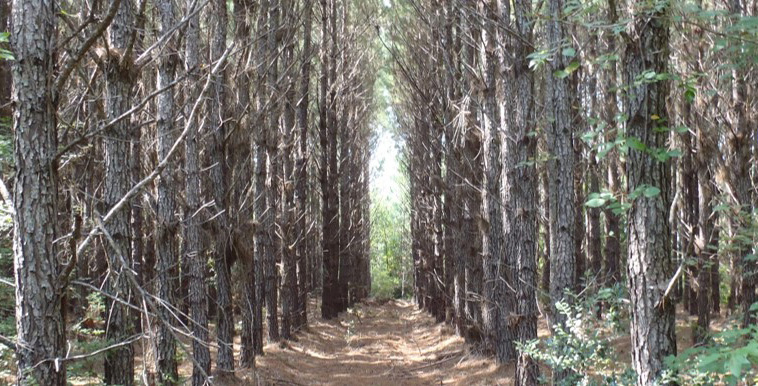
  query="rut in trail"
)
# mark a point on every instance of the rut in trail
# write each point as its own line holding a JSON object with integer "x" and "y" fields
{"x": 379, "y": 343}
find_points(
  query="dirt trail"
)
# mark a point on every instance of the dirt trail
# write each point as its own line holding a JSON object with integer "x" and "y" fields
{"x": 390, "y": 343}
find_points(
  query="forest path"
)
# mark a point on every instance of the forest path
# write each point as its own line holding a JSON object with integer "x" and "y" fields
{"x": 378, "y": 343}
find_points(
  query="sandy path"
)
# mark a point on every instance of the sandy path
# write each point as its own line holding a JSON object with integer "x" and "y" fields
{"x": 390, "y": 343}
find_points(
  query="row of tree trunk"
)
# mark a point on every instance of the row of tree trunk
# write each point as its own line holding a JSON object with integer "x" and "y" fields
{"x": 176, "y": 141}
{"x": 557, "y": 144}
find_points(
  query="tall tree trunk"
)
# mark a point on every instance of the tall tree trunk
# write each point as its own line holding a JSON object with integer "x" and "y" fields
{"x": 289, "y": 294}
{"x": 451, "y": 216}
{"x": 40, "y": 326}
{"x": 272, "y": 186}
{"x": 707, "y": 238}
{"x": 242, "y": 158}
{"x": 119, "y": 363}
{"x": 216, "y": 125}
{"x": 167, "y": 221}
{"x": 192, "y": 248}
{"x": 521, "y": 189}
{"x": 612, "y": 248}
{"x": 303, "y": 234}
{"x": 472, "y": 175}
{"x": 492, "y": 242}
{"x": 330, "y": 304}
{"x": 263, "y": 242}
{"x": 560, "y": 170}
{"x": 738, "y": 141}
{"x": 650, "y": 267}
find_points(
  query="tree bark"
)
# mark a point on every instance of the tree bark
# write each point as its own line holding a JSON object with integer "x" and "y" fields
{"x": 40, "y": 325}
{"x": 216, "y": 126}
{"x": 303, "y": 234}
{"x": 650, "y": 267}
{"x": 119, "y": 363}
{"x": 289, "y": 294}
{"x": 521, "y": 190}
{"x": 492, "y": 242}
{"x": 167, "y": 222}
{"x": 262, "y": 238}
{"x": 612, "y": 247}
{"x": 330, "y": 304}
{"x": 270, "y": 271}
{"x": 192, "y": 248}
{"x": 560, "y": 170}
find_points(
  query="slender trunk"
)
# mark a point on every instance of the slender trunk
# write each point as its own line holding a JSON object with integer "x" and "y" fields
{"x": 303, "y": 234}
{"x": 167, "y": 222}
{"x": 650, "y": 267}
{"x": 738, "y": 141}
{"x": 451, "y": 229}
{"x": 262, "y": 238}
{"x": 612, "y": 248}
{"x": 119, "y": 363}
{"x": 521, "y": 182}
{"x": 192, "y": 249}
{"x": 39, "y": 316}
{"x": 472, "y": 174}
{"x": 289, "y": 293}
{"x": 492, "y": 242}
{"x": 272, "y": 185}
{"x": 560, "y": 171}
{"x": 330, "y": 305}
{"x": 217, "y": 127}
{"x": 241, "y": 158}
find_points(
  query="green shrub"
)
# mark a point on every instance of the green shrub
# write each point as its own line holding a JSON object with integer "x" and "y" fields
{"x": 584, "y": 347}
{"x": 730, "y": 357}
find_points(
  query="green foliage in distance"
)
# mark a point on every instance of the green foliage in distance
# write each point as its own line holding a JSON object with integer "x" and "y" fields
{"x": 391, "y": 265}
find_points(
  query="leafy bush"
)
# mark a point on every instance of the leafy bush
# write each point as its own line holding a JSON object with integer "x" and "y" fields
{"x": 584, "y": 348}
{"x": 730, "y": 357}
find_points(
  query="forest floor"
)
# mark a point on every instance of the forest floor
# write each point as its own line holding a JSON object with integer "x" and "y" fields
{"x": 374, "y": 343}
{"x": 378, "y": 343}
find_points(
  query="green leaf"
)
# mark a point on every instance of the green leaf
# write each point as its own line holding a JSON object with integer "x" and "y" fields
{"x": 595, "y": 202}
{"x": 707, "y": 360}
{"x": 589, "y": 136}
{"x": 569, "y": 52}
{"x": 573, "y": 66}
{"x": 636, "y": 144}
{"x": 651, "y": 191}
{"x": 754, "y": 307}
{"x": 4, "y": 37}
{"x": 735, "y": 364}
{"x": 689, "y": 95}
